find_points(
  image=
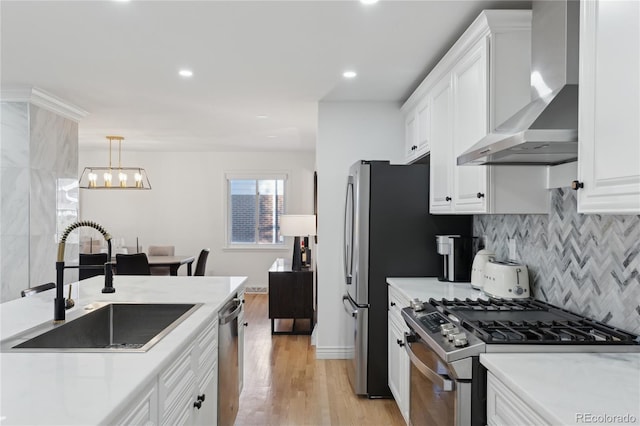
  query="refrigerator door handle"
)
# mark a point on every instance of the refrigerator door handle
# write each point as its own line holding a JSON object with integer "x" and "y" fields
{"x": 351, "y": 310}
{"x": 348, "y": 232}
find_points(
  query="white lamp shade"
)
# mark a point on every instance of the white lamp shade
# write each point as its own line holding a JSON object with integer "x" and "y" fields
{"x": 297, "y": 225}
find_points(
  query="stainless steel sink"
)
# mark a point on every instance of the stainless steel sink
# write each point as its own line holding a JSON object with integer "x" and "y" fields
{"x": 107, "y": 327}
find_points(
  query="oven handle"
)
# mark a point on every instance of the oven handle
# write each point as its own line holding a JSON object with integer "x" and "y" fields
{"x": 445, "y": 384}
{"x": 353, "y": 311}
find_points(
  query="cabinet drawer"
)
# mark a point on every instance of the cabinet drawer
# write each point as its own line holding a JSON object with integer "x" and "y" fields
{"x": 505, "y": 408}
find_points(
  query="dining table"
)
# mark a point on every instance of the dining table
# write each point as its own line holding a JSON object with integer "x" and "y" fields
{"x": 173, "y": 262}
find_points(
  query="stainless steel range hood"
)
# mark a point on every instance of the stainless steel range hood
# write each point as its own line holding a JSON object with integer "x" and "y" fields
{"x": 544, "y": 132}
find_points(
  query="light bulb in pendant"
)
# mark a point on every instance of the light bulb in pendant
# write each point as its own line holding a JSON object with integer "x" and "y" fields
{"x": 123, "y": 179}
{"x": 107, "y": 179}
{"x": 138, "y": 177}
{"x": 93, "y": 178}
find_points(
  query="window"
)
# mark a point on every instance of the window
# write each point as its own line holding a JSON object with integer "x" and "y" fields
{"x": 254, "y": 209}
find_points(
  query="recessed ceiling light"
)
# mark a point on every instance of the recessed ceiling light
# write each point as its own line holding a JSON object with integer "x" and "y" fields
{"x": 368, "y": 1}
{"x": 122, "y": 1}
{"x": 262, "y": 116}
{"x": 349, "y": 74}
{"x": 271, "y": 136}
{"x": 185, "y": 73}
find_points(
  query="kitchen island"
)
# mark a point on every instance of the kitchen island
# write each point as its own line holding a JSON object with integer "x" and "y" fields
{"x": 99, "y": 388}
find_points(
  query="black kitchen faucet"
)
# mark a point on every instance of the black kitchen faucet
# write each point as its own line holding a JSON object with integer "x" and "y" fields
{"x": 60, "y": 304}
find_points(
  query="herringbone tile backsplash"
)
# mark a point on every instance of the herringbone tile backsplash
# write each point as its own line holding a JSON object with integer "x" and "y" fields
{"x": 588, "y": 264}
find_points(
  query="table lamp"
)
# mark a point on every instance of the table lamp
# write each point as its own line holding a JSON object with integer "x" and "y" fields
{"x": 297, "y": 225}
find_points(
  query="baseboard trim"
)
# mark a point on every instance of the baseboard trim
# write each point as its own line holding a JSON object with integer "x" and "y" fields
{"x": 333, "y": 352}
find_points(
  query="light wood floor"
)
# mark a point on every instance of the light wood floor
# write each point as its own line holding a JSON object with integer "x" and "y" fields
{"x": 284, "y": 384}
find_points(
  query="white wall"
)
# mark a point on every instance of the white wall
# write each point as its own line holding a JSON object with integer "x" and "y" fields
{"x": 186, "y": 206}
{"x": 347, "y": 132}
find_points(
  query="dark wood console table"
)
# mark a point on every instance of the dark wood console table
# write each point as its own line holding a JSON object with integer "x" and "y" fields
{"x": 290, "y": 296}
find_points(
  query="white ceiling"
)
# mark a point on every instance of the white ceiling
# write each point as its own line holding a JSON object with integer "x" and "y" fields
{"x": 120, "y": 62}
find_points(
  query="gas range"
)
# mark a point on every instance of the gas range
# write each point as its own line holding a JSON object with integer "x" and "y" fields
{"x": 456, "y": 329}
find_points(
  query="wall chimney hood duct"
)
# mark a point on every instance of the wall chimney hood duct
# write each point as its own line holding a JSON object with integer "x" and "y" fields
{"x": 544, "y": 132}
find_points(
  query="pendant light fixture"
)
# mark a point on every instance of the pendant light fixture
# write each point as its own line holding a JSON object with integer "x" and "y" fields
{"x": 114, "y": 177}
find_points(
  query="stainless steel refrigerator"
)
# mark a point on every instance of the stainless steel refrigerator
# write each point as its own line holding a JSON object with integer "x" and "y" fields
{"x": 388, "y": 232}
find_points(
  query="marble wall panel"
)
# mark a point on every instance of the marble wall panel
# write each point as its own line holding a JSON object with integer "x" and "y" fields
{"x": 67, "y": 150}
{"x": 588, "y": 264}
{"x": 15, "y": 266}
{"x": 14, "y": 134}
{"x": 44, "y": 130}
{"x": 42, "y": 200}
{"x": 38, "y": 147}
{"x": 14, "y": 215}
{"x": 43, "y": 251}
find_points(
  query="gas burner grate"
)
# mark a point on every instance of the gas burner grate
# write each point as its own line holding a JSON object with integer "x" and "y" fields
{"x": 554, "y": 332}
{"x": 529, "y": 321}
{"x": 491, "y": 304}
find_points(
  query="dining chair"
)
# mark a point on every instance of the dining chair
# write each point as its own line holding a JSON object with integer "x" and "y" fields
{"x": 161, "y": 251}
{"x": 92, "y": 259}
{"x": 202, "y": 263}
{"x": 132, "y": 264}
{"x": 37, "y": 289}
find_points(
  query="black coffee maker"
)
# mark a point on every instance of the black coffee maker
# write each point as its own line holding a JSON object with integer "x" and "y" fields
{"x": 457, "y": 255}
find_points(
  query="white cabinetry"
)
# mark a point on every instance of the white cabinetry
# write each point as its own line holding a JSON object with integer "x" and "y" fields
{"x": 441, "y": 180}
{"x": 185, "y": 392}
{"x": 609, "y": 106}
{"x": 417, "y": 131}
{"x": 505, "y": 408}
{"x": 470, "y": 124}
{"x": 479, "y": 83}
{"x": 398, "y": 362}
{"x": 187, "y": 388}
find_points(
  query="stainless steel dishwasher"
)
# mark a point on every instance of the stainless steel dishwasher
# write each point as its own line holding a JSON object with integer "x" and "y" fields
{"x": 228, "y": 379}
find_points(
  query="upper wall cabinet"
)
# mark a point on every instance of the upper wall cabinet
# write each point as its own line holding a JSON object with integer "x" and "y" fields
{"x": 479, "y": 83}
{"x": 417, "y": 131}
{"x": 609, "y": 105}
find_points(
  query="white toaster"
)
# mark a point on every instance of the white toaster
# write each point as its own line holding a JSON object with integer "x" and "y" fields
{"x": 507, "y": 280}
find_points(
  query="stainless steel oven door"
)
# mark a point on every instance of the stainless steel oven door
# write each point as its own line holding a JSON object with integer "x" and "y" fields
{"x": 357, "y": 325}
{"x": 436, "y": 398}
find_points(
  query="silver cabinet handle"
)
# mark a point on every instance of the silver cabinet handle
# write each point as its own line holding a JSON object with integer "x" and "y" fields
{"x": 442, "y": 382}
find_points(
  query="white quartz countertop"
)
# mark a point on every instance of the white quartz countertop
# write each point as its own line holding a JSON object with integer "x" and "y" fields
{"x": 430, "y": 287}
{"x": 565, "y": 389}
{"x": 91, "y": 388}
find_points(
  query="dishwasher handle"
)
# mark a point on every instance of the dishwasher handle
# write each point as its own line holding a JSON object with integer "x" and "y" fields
{"x": 443, "y": 382}
{"x": 225, "y": 316}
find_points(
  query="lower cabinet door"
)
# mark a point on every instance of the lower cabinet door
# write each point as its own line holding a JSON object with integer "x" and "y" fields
{"x": 207, "y": 413}
{"x": 176, "y": 388}
{"x": 399, "y": 366}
